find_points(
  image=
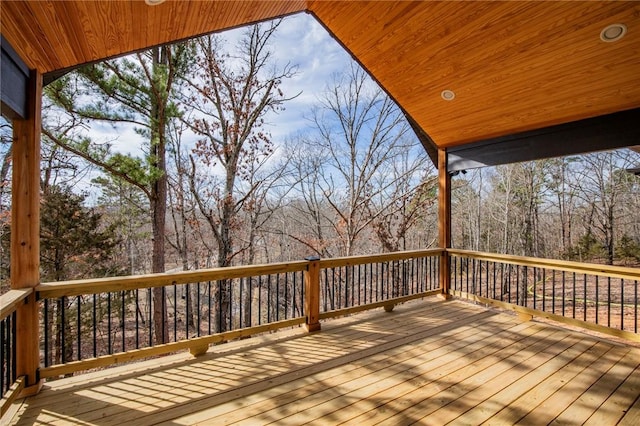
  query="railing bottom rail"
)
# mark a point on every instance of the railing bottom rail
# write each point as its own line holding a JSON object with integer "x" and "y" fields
{"x": 387, "y": 304}
{"x": 197, "y": 346}
{"x": 634, "y": 337}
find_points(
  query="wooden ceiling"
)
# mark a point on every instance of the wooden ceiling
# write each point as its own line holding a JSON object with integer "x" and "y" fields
{"x": 514, "y": 66}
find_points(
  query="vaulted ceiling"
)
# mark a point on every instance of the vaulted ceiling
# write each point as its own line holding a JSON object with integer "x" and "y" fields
{"x": 512, "y": 66}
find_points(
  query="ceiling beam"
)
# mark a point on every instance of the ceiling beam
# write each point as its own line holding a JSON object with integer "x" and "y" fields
{"x": 611, "y": 131}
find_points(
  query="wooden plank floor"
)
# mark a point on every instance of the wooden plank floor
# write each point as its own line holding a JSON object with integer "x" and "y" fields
{"x": 428, "y": 362}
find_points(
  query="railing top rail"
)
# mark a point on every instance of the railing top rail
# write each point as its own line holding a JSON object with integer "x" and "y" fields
{"x": 562, "y": 265}
{"x": 133, "y": 282}
{"x": 126, "y": 283}
{"x": 375, "y": 258}
{"x": 10, "y": 300}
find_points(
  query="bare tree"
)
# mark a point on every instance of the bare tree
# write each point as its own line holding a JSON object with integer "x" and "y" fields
{"x": 230, "y": 96}
{"x": 603, "y": 185}
{"x": 362, "y": 132}
{"x": 410, "y": 196}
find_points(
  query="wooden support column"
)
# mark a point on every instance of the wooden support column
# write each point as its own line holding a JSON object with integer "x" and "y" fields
{"x": 312, "y": 294}
{"x": 25, "y": 232}
{"x": 444, "y": 222}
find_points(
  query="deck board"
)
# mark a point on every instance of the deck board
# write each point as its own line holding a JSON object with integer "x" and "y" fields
{"x": 429, "y": 361}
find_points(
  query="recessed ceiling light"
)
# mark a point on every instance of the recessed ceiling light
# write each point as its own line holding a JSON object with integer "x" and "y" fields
{"x": 153, "y": 2}
{"x": 448, "y": 95}
{"x": 613, "y": 32}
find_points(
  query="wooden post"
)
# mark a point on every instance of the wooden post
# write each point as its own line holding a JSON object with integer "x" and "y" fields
{"x": 25, "y": 232}
{"x": 444, "y": 222}
{"x": 312, "y": 294}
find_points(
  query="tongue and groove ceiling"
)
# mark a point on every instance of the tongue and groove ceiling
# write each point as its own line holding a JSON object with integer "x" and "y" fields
{"x": 513, "y": 66}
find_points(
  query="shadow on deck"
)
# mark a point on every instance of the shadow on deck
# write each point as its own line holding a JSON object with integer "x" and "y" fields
{"x": 428, "y": 361}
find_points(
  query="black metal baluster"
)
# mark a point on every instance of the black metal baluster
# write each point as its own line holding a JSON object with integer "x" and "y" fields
{"x": 351, "y": 273}
{"x": 544, "y": 289}
{"x": 13, "y": 350}
{"x": 369, "y": 279}
{"x": 209, "y": 306}
{"x": 389, "y": 280}
{"x": 501, "y": 281}
{"x": 46, "y": 332}
{"x": 510, "y": 267}
{"x": 164, "y": 313}
{"x": 137, "y": 321}
{"x": 431, "y": 274}
{"x": 302, "y": 293}
{"x": 286, "y": 295}
{"x": 220, "y": 315}
{"x": 150, "y": 319}
{"x": 563, "y": 291}
{"x": 553, "y": 291}
{"x": 109, "y": 343}
{"x": 175, "y": 313}
{"x": 608, "y": 301}
{"x": 467, "y": 273}
{"x": 4, "y": 351}
{"x": 573, "y": 302}
{"x": 79, "y": 327}
{"x": 95, "y": 326}
{"x": 360, "y": 285}
{"x": 250, "y": 304}
{"x": 277, "y": 297}
{"x": 269, "y": 299}
{"x": 517, "y": 284}
{"x": 621, "y": 304}
{"x": 123, "y": 322}
{"x": 535, "y": 280}
{"x": 585, "y": 297}
{"x": 486, "y": 283}
{"x": 376, "y": 281}
{"x": 187, "y": 309}
{"x": 199, "y": 309}
{"x": 495, "y": 277}
{"x": 597, "y": 300}
{"x": 260, "y": 300}
{"x": 346, "y": 285}
{"x": 241, "y": 319}
{"x": 63, "y": 330}
{"x": 230, "y": 305}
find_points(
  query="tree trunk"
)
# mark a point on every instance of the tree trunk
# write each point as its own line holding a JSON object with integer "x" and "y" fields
{"x": 158, "y": 201}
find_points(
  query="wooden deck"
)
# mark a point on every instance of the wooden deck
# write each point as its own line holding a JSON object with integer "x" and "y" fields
{"x": 428, "y": 362}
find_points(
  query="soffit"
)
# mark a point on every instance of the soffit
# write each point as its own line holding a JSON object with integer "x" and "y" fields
{"x": 514, "y": 66}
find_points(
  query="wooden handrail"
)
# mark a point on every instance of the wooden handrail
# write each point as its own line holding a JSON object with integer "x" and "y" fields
{"x": 561, "y": 265}
{"x": 377, "y": 258}
{"x": 113, "y": 284}
{"x": 133, "y": 282}
{"x": 10, "y": 301}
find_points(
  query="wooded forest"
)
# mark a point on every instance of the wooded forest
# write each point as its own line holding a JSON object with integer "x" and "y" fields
{"x": 212, "y": 187}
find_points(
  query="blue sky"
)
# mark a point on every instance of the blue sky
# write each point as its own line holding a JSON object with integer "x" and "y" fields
{"x": 301, "y": 41}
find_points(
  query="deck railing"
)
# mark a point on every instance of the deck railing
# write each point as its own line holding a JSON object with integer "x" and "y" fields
{"x": 597, "y": 297}
{"x": 351, "y": 284}
{"x": 95, "y": 323}
{"x": 10, "y": 384}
